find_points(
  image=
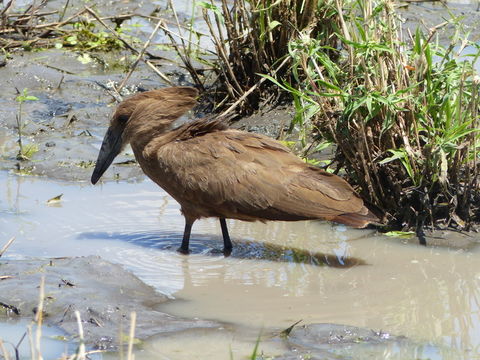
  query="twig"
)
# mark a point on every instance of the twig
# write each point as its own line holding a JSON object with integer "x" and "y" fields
{"x": 159, "y": 73}
{"x": 38, "y": 14}
{"x": 7, "y": 8}
{"x": 5, "y": 247}
{"x": 64, "y": 10}
{"x": 249, "y": 91}
{"x": 139, "y": 56}
{"x": 60, "y": 82}
{"x": 54, "y": 25}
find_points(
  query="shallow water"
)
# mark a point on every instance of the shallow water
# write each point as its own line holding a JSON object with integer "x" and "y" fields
{"x": 15, "y": 337}
{"x": 428, "y": 294}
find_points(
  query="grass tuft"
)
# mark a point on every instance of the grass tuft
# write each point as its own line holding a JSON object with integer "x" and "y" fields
{"x": 401, "y": 110}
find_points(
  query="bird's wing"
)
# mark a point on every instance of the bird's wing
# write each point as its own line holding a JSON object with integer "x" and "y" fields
{"x": 244, "y": 173}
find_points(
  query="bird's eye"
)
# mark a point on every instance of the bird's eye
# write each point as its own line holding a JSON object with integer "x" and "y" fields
{"x": 123, "y": 118}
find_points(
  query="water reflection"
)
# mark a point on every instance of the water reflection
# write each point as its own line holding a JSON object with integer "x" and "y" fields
{"x": 208, "y": 245}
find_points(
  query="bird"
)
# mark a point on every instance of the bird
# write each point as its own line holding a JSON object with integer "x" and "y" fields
{"x": 212, "y": 170}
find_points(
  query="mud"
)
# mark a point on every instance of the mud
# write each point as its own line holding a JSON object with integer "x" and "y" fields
{"x": 104, "y": 294}
{"x": 68, "y": 120}
{"x": 329, "y": 341}
{"x": 430, "y": 14}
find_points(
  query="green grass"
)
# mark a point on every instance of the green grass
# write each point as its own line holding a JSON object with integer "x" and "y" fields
{"x": 403, "y": 114}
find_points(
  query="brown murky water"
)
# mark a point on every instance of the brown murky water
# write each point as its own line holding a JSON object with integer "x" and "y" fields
{"x": 428, "y": 294}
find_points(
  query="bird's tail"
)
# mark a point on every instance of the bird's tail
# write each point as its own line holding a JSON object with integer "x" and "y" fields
{"x": 358, "y": 220}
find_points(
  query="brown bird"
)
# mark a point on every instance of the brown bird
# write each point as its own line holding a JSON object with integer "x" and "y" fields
{"x": 214, "y": 171}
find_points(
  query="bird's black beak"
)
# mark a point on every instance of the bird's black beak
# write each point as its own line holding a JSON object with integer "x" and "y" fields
{"x": 111, "y": 147}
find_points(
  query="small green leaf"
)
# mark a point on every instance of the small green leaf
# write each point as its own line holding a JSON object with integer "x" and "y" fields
{"x": 27, "y": 152}
{"x": 55, "y": 199}
{"x": 212, "y": 7}
{"x": 400, "y": 234}
{"x": 273, "y": 24}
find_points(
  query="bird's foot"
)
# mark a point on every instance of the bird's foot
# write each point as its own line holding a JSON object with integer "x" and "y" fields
{"x": 183, "y": 251}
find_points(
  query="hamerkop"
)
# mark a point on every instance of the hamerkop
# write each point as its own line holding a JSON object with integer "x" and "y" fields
{"x": 214, "y": 171}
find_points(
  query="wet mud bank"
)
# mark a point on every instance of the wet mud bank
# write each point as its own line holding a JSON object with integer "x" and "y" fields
{"x": 105, "y": 296}
{"x": 103, "y": 293}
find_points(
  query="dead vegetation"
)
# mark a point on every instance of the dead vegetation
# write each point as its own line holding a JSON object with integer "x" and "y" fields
{"x": 252, "y": 38}
{"x": 84, "y": 31}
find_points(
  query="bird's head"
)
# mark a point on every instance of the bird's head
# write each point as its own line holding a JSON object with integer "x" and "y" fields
{"x": 138, "y": 114}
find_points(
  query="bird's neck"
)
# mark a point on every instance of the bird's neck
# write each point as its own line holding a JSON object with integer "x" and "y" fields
{"x": 139, "y": 135}
{"x": 146, "y": 140}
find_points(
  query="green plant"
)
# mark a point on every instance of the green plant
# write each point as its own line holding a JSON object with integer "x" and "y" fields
{"x": 85, "y": 37}
{"x": 403, "y": 115}
{"x": 24, "y": 152}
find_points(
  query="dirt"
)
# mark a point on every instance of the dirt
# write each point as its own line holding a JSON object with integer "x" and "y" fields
{"x": 104, "y": 294}
{"x": 441, "y": 16}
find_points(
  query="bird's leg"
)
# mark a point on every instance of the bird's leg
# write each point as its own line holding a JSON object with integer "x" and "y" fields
{"x": 186, "y": 238}
{"x": 227, "y": 243}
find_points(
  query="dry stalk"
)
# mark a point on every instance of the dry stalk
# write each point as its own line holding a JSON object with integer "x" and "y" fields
{"x": 183, "y": 54}
{"x": 39, "y": 321}
{"x": 131, "y": 336}
{"x": 31, "y": 342}
{"x": 346, "y": 33}
{"x": 139, "y": 56}
{"x": 222, "y": 53}
{"x": 81, "y": 347}
{"x": 6, "y": 246}
{"x": 185, "y": 59}
{"x": 5, "y": 353}
{"x": 244, "y": 96}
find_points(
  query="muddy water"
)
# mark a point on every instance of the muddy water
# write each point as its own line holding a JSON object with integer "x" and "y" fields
{"x": 51, "y": 345}
{"x": 428, "y": 294}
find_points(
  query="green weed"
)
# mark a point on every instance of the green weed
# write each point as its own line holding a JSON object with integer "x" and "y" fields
{"x": 403, "y": 114}
{"x": 85, "y": 37}
{"x": 25, "y": 152}
{"x": 251, "y": 38}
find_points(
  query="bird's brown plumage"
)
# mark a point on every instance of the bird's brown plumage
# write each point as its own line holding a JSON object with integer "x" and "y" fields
{"x": 214, "y": 171}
